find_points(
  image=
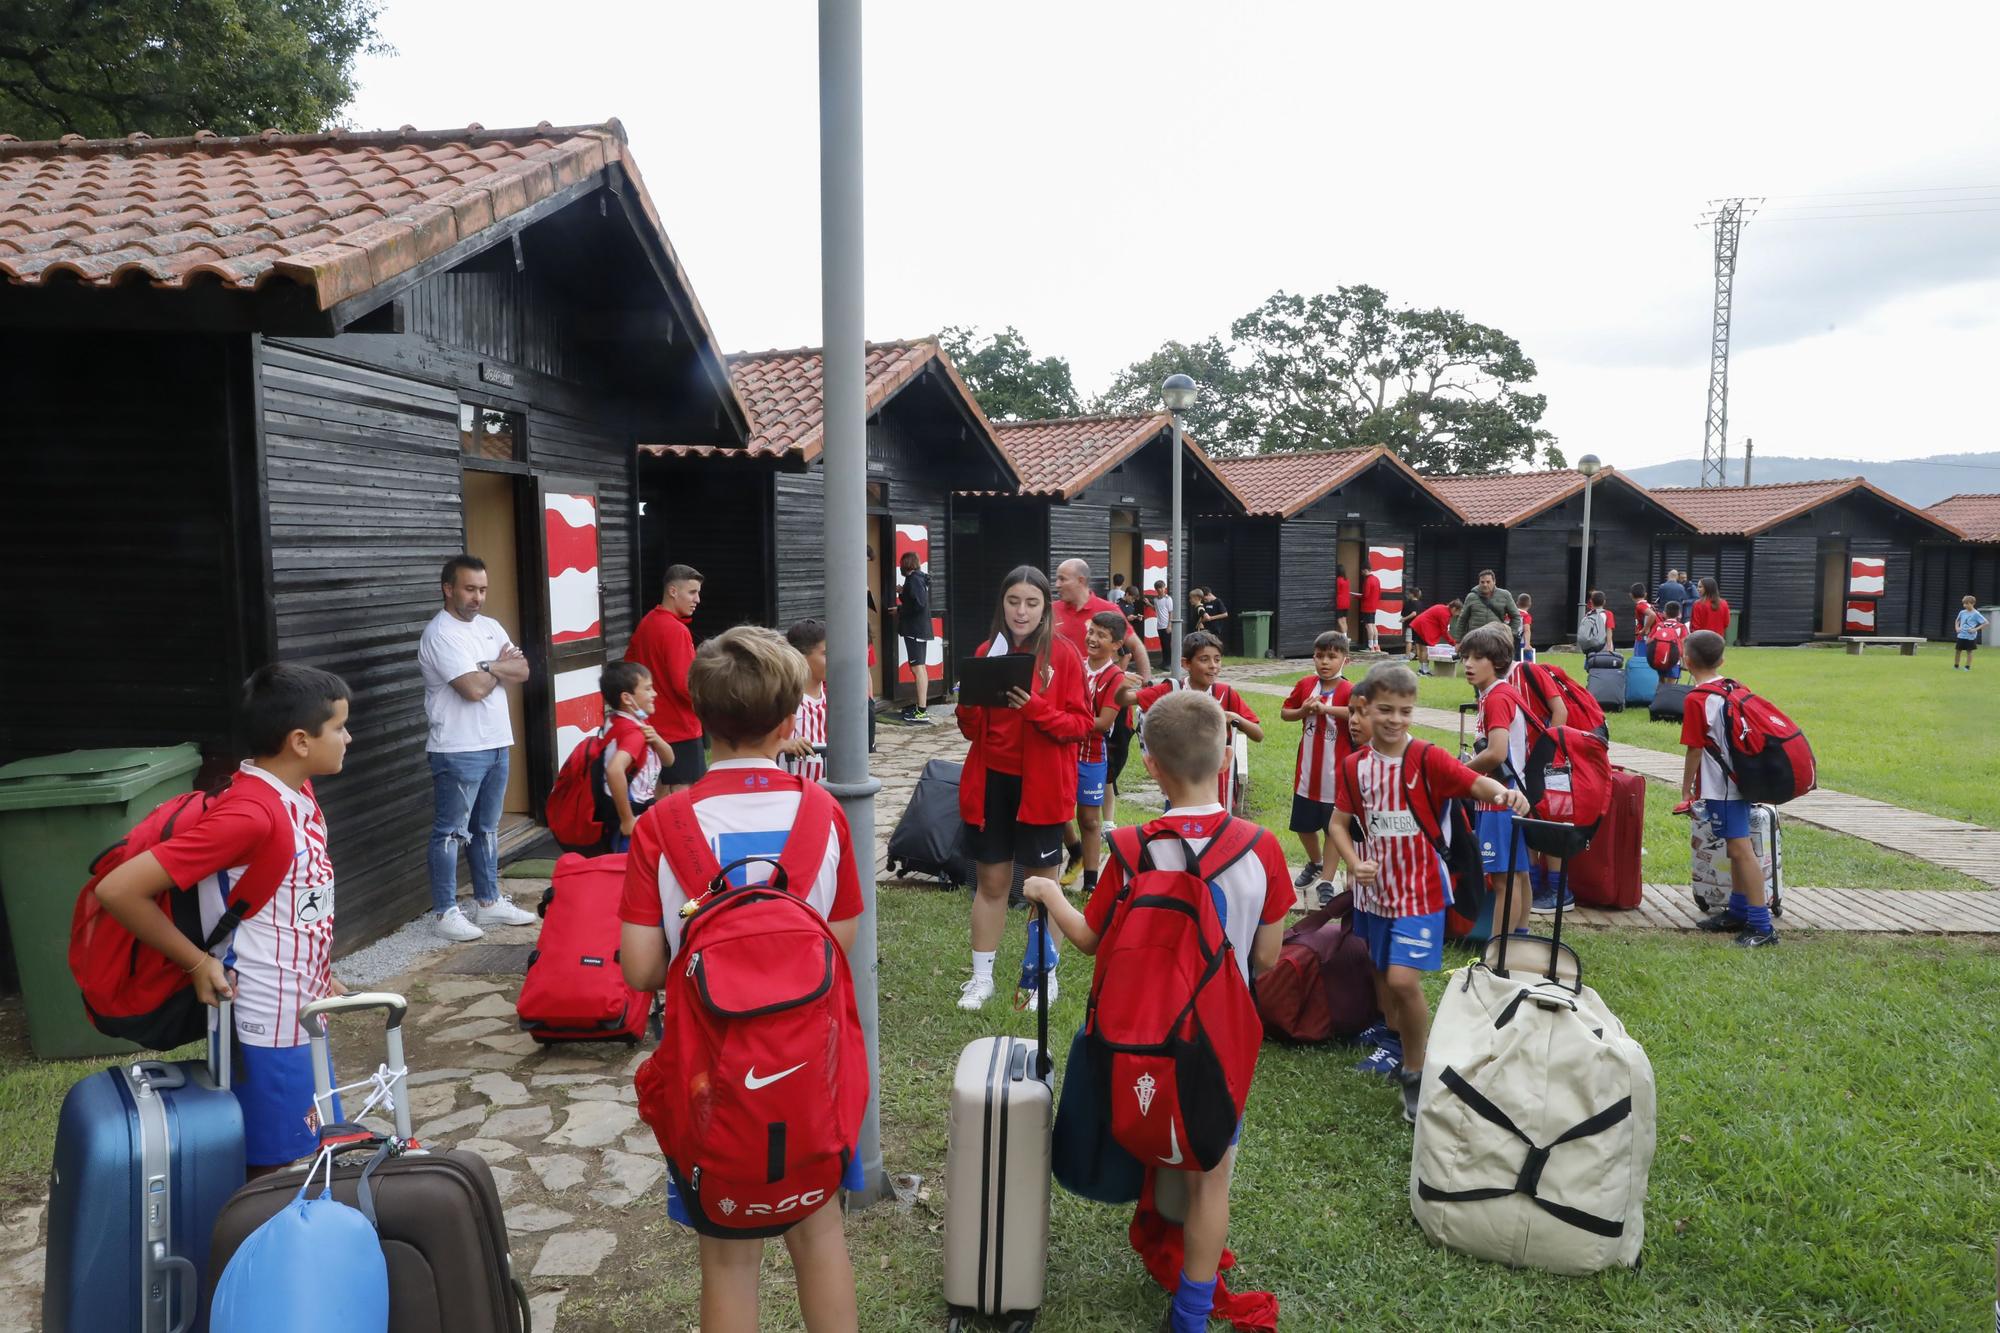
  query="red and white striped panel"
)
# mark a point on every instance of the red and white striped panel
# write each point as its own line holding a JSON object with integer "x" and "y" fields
{"x": 1866, "y": 578}
{"x": 571, "y": 524}
{"x": 1153, "y": 570}
{"x": 1386, "y": 564}
{"x": 579, "y": 708}
{"x": 1860, "y": 618}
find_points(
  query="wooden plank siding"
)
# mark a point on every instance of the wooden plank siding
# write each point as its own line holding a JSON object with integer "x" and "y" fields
{"x": 1081, "y": 531}
{"x": 720, "y": 519}
{"x": 1948, "y": 573}
{"x": 1784, "y": 584}
{"x": 1306, "y": 555}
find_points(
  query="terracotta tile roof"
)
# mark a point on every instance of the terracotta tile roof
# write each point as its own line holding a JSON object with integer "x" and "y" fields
{"x": 782, "y": 391}
{"x": 1977, "y": 516}
{"x": 1745, "y": 511}
{"x": 1504, "y": 499}
{"x": 1060, "y": 456}
{"x": 1288, "y": 483}
{"x": 335, "y": 213}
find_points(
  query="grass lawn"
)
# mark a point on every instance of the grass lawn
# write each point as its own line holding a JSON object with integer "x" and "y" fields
{"x": 1817, "y": 1167}
{"x": 1813, "y": 856}
{"x": 1907, "y": 730}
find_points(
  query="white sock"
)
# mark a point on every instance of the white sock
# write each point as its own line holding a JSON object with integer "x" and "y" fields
{"x": 982, "y": 964}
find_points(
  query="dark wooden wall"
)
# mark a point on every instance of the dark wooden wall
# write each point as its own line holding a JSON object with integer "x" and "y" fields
{"x": 1079, "y": 531}
{"x": 1306, "y": 555}
{"x": 1543, "y": 557}
{"x": 719, "y": 518}
{"x": 1783, "y": 599}
{"x": 989, "y": 537}
{"x": 1948, "y": 572}
{"x": 1450, "y": 557}
{"x": 117, "y": 533}
{"x": 1254, "y": 583}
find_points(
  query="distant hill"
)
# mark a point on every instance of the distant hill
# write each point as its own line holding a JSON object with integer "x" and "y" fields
{"x": 1918, "y": 481}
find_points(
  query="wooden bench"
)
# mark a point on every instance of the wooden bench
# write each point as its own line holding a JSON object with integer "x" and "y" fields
{"x": 1856, "y": 642}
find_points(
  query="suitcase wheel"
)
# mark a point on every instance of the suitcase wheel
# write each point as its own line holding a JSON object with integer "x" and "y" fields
{"x": 955, "y": 1324}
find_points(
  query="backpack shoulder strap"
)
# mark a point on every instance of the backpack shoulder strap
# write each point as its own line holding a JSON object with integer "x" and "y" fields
{"x": 1425, "y": 813}
{"x": 688, "y": 853}
{"x": 805, "y": 845}
{"x": 1228, "y": 845}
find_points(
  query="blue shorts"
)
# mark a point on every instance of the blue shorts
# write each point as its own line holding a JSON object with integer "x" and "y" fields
{"x": 1402, "y": 941}
{"x": 1502, "y": 847}
{"x": 853, "y": 1180}
{"x": 274, "y": 1086}
{"x": 1090, "y": 782}
{"x": 1731, "y": 819}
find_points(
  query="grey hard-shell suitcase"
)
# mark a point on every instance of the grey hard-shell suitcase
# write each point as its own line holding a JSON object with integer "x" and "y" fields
{"x": 997, "y": 1173}
{"x": 443, "y": 1232}
{"x": 146, "y": 1156}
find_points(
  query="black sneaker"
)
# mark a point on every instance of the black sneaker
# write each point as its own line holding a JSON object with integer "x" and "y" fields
{"x": 907, "y": 715}
{"x": 1324, "y": 892}
{"x": 1722, "y": 923}
{"x": 1756, "y": 939}
{"x": 1413, "y": 1083}
{"x": 1306, "y": 875}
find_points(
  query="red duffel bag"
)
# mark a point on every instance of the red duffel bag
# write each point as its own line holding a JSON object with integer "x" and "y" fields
{"x": 1322, "y": 987}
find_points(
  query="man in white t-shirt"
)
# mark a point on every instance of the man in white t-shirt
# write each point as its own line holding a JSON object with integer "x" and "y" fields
{"x": 467, "y": 660}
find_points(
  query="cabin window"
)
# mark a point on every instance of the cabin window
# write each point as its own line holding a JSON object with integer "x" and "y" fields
{"x": 488, "y": 432}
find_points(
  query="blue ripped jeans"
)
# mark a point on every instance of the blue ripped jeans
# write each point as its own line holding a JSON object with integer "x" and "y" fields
{"x": 469, "y": 787}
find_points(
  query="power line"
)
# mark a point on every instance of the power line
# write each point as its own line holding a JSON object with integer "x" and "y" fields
{"x": 1838, "y": 194}
{"x": 1912, "y": 213}
{"x": 1884, "y": 204}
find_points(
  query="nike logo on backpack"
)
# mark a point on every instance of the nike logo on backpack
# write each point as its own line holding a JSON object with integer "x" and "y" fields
{"x": 752, "y": 1082}
{"x": 1173, "y": 1145}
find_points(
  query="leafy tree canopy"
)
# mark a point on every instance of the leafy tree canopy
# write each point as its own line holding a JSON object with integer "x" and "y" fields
{"x": 1137, "y": 389}
{"x": 1344, "y": 368}
{"x": 1007, "y": 379}
{"x": 171, "y": 67}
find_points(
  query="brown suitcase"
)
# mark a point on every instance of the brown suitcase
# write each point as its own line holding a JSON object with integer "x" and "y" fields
{"x": 438, "y": 1213}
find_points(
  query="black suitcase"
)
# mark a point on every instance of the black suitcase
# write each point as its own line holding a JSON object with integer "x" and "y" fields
{"x": 1670, "y": 701}
{"x": 443, "y": 1233}
{"x": 1606, "y": 681}
{"x": 930, "y": 837}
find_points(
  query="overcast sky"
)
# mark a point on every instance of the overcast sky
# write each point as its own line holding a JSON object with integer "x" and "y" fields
{"x": 1108, "y": 176}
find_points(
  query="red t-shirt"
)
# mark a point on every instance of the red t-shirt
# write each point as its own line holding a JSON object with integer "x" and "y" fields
{"x": 1100, "y": 689}
{"x": 1342, "y": 599}
{"x": 1323, "y": 740}
{"x": 1502, "y": 707}
{"x": 1704, "y": 616}
{"x": 1231, "y": 702}
{"x": 1433, "y": 624}
{"x": 664, "y": 647}
{"x": 1371, "y": 595}
{"x": 1408, "y": 879}
{"x": 1074, "y": 622}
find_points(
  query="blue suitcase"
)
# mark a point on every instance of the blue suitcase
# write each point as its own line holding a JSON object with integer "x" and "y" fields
{"x": 1641, "y": 679}
{"x": 146, "y": 1156}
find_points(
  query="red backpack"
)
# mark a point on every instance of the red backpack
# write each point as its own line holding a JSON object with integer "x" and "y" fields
{"x": 1567, "y": 780}
{"x": 574, "y": 989}
{"x": 1170, "y": 1015}
{"x": 140, "y": 994}
{"x": 1546, "y": 682}
{"x": 576, "y": 820}
{"x": 758, "y": 1087}
{"x": 1665, "y": 650}
{"x": 1763, "y": 750}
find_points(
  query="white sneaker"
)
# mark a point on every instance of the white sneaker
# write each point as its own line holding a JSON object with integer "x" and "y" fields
{"x": 974, "y": 994}
{"x": 454, "y": 926}
{"x": 1033, "y": 999}
{"x": 502, "y": 912}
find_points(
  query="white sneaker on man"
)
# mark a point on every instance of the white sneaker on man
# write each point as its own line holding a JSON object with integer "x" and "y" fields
{"x": 975, "y": 993}
{"x": 453, "y": 925}
{"x": 502, "y": 912}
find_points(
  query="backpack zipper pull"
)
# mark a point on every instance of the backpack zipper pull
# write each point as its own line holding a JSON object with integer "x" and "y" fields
{"x": 694, "y": 961}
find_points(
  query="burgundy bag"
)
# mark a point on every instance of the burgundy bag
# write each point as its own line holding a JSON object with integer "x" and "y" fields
{"x": 1322, "y": 987}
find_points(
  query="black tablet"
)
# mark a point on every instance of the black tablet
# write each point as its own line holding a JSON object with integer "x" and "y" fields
{"x": 984, "y": 681}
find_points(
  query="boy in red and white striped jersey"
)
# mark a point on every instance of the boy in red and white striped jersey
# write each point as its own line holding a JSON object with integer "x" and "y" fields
{"x": 1319, "y": 702}
{"x": 805, "y": 753}
{"x": 1397, "y": 788}
{"x": 280, "y": 959}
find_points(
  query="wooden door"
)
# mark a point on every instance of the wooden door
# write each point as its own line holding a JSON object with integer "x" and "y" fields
{"x": 1832, "y": 588}
{"x": 574, "y": 601}
{"x": 1348, "y": 553}
{"x": 492, "y": 532}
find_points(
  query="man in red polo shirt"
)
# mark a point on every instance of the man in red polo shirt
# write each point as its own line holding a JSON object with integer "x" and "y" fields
{"x": 663, "y": 645}
{"x": 1076, "y": 604}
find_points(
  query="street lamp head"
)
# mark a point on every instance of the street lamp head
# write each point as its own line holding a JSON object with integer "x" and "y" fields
{"x": 1588, "y": 465}
{"x": 1179, "y": 391}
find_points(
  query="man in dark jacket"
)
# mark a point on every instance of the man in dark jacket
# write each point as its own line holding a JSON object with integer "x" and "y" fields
{"x": 913, "y": 626}
{"x": 1670, "y": 590}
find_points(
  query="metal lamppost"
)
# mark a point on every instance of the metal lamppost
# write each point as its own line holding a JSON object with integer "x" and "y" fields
{"x": 1588, "y": 466}
{"x": 1179, "y": 392}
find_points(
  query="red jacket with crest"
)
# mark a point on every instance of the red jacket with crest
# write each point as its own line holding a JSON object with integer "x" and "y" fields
{"x": 1053, "y": 723}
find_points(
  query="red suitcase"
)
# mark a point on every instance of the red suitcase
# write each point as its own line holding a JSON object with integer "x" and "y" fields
{"x": 1607, "y": 874}
{"x": 574, "y": 989}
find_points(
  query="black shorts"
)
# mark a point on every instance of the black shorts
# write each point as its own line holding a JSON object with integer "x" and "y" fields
{"x": 917, "y": 650}
{"x": 1117, "y": 749}
{"x": 690, "y": 763}
{"x": 1967, "y": 645}
{"x": 1310, "y": 816}
{"x": 1007, "y": 841}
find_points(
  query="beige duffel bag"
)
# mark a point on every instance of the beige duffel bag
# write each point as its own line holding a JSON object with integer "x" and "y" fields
{"x": 1536, "y": 1120}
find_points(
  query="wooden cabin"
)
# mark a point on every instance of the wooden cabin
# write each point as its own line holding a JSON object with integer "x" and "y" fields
{"x": 1805, "y": 560}
{"x": 1528, "y": 528}
{"x": 1947, "y": 571}
{"x": 753, "y": 520}
{"x": 259, "y": 389}
{"x": 1357, "y": 509}
{"x": 1097, "y": 489}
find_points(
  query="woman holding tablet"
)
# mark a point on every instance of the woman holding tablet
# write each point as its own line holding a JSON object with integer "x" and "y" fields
{"x": 1019, "y": 784}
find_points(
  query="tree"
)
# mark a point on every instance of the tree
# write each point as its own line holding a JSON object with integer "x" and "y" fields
{"x": 1213, "y": 420}
{"x": 1444, "y": 393}
{"x": 171, "y": 67}
{"x": 1006, "y": 379}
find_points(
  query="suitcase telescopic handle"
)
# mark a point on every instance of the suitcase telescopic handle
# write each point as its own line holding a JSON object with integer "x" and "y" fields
{"x": 1562, "y": 889}
{"x": 314, "y": 1017}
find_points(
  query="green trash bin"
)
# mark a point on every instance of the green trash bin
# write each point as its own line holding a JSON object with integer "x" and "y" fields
{"x": 1256, "y": 633}
{"x": 57, "y": 813}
